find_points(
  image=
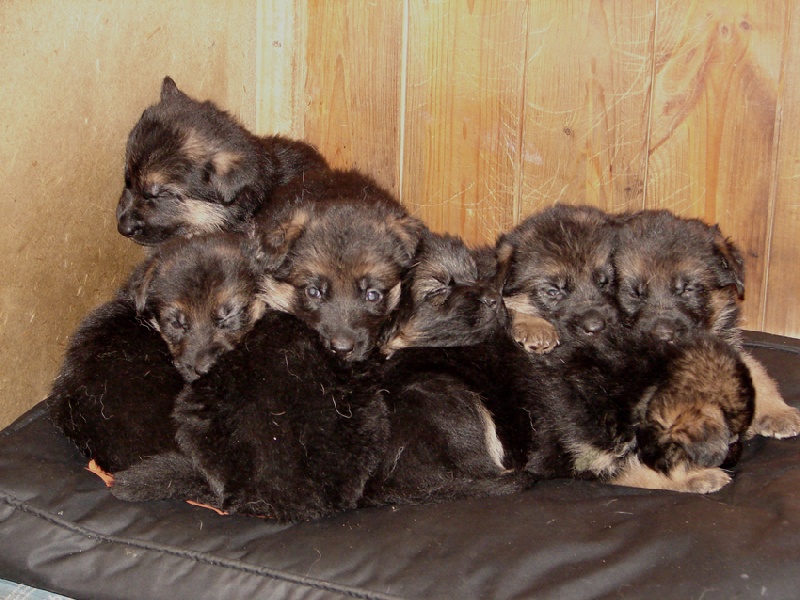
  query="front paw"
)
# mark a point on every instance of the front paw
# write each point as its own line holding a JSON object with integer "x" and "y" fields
{"x": 534, "y": 333}
{"x": 778, "y": 423}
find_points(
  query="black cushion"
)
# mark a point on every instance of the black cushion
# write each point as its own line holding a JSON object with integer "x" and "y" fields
{"x": 61, "y": 529}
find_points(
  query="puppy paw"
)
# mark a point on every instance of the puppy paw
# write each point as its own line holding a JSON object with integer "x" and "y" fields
{"x": 703, "y": 481}
{"x": 534, "y": 333}
{"x": 780, "y": 422}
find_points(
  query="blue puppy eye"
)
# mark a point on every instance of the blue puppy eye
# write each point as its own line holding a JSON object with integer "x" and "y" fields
{"x": 313, "y": 292}
{"x": 373, "y": 296}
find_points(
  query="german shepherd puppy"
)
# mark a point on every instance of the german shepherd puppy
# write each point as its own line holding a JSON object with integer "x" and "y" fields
{"x": 191, "y": 168}
{"x": 282, "y": 427}
{"x": 344, "y": 246}
{"x": 680, "y": 278}
{"x": 129, "y": 358}
{"x": 558, "y": 264}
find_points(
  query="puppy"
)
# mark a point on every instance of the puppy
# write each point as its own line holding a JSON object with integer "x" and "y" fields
{"x": 191, "y": 168}
{"x": 559, "y": 264}
{"x": 130, "y": 357}
{"x": 344, "y": 246}
{"x": 680, "y": 278}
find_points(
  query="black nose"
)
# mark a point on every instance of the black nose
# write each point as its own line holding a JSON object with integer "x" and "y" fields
{"x": 664, "y": 330}
{"x": 490, "y": 298}
{"x": 593, "y": 322}
{"x": 342, "y": 345}
{"x": 129, "y": 227}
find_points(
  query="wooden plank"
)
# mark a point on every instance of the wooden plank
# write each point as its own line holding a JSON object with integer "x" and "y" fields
{"x": 586, "y": 105}
{"x": 782, "y": 310}
{"x": 462, "y": 120}
{"x": 351, "y": 102}
{"x": 712, "y": 141}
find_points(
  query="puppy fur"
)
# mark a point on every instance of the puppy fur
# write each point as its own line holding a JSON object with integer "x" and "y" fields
{"x": 191, "y": 168}
{"x": 680, "y": 278}
{"x": 343, "y": 246}
{"x": 128, "y": 360}
{"x": 559, "y": 264}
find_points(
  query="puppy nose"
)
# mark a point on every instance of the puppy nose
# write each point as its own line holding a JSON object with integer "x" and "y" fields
{"x": 593, "y": 322}
{"x": 129, "y": 227}
{"x": 490, "y": 298}
{"x": 664, "y": 330}
{"x": 342, "y": 345}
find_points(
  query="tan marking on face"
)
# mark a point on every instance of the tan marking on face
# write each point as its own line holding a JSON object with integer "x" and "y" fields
{"x": 520, "y": 303}
{"x": 225, "y": 161}
{"x": 155, "y": 178}
{"x": 196, "y": 147}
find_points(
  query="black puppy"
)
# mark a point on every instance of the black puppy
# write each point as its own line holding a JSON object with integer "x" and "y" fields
{"x": 192, "y": 168}
{"x": 129, "y": 358}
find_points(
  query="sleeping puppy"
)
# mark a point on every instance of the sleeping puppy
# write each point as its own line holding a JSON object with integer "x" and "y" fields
{"x": 559, "y": 264}
{"x": 129, "y": 358}
{"x": 680, "y": 278}
{"x": 191, "y": 168}
{"x": 344, "y": 246}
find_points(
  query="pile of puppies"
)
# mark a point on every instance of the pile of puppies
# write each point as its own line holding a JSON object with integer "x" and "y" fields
{"x": 296, "y": 344}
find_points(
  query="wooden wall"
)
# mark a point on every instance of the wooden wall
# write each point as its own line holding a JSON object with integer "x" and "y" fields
{"x": 475, "y": 112}
{"x": 479, "y": 112}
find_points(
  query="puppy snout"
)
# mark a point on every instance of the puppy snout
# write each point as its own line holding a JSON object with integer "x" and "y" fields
{"x": 129, "y": 227}
{"x": 343, "y": 345}
{"x": 664, "y": 330}
{"x": 593, "y": 322}
{"x": 490, "y": 298}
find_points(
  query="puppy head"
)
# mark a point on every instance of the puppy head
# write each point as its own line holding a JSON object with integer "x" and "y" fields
{"x": 200, "y": 295}
{"x": 447, "y": 299}
{"x": 677, "y": 277}
{"x": 190, "y": 168}
{"x": 341, "y": 258}
{"x": 558, "y": 265}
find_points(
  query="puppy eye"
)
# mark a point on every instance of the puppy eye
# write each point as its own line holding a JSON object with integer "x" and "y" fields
{"x": 602, "y": 279}
{"x": 373, "y": 296}
{"x": 230, "y": 320}
{"x": 435, "y": 293}
{"x": 179, "y": 322}
{"x": 636, "y": 292}
{"x": 313, "y": 292}
{"x": 553, "y": 292}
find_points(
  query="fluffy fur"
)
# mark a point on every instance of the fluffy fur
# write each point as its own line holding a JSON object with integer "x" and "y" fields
{"x": 344, "y": 246}
{"x": 680, "y": 278}
{"x": 129, "y": 358}
{"x": 191, "y": 168}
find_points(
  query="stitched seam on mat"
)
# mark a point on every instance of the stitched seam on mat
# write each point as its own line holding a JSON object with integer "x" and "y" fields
{"x": 199, "y": 557}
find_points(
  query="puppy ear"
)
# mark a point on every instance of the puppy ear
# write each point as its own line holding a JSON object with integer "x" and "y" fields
{"x": 224, "y": 175}
{"x": 504, "y": 255}
{"x": 169, "y": 89}
{"x": 731, "y": 262}
{"x": 138, "y": 286}
{"x": 409, "y": 231}
{"x": 277, "y": 241}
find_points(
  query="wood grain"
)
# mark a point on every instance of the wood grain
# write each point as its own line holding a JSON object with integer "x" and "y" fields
{"x": 782, "y": 283}
{"x": 712, "y": 142}
{"x": 462, "y": 121}
{"x": 586, "y": 104}
{"x": 351, "y": 104}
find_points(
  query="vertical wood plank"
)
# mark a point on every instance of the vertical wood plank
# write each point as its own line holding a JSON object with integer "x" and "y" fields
{"x": 712, "y": 142}
{"x": 587, "y": 103}
{"x": 462, "y": 129}
{"x": 351, "y": 103}
{"x": 782, "y": 310}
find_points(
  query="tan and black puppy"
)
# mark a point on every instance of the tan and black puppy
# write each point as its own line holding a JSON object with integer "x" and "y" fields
{"x": 191, "y": 168}
{"x": 447, "y": 299}
{"x": 557, "y": 276}
{"x": 680, "y": 278}
{"x": 129, "y": 358}
{"x": 344, "y": 246}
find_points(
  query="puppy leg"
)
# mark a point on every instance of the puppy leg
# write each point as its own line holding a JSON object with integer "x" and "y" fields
{"x": 680, "y": 479}
{"x": 160, "y": 477}
{"x": 773, "y": 417}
